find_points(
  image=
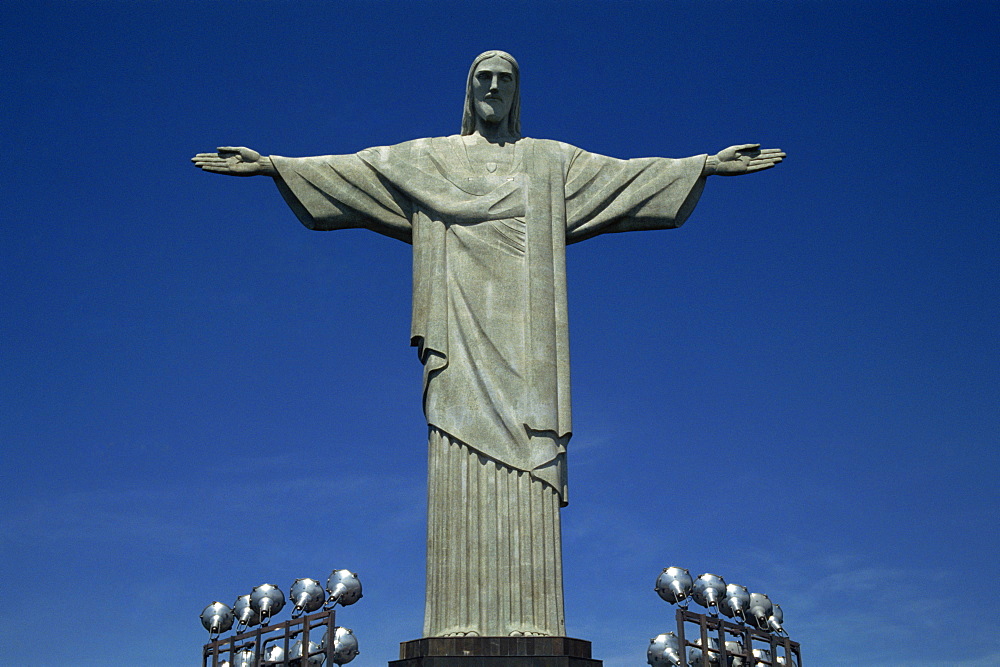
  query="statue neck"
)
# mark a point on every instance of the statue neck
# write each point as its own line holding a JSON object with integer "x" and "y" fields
{"x": 495, "y": 133}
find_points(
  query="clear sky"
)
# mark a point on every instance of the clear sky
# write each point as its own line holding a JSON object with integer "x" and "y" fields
{"x": 798, "y": 390}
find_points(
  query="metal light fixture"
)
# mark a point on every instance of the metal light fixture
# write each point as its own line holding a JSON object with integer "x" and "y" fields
{"x": 708, "y": 589}
{"x": 258, "y": 648}
{"x": 734, "y": 654}
{"x": 664, "y": 649}
{"x": 674, "y": 584}
{"x": 345, "y": 645}
{"x": 217, "y": 618}
{"x": 776, "y": 618}
{"x": 786, "y": 662}
{"x": 246, "y": 616}
{"x": 295, "y": 655}
{"x": 343, "y": 587}
{"x": 735, "y": 602}
{"x": 307, "y": 595}
{"x": 759, "y": 611}
{"x": 245, "y": 658}
{"x": 274, "y": 653}
{"x": 761, "y": 657}
{"x": 714, "y": 656}
{"x": 267, "y": 600}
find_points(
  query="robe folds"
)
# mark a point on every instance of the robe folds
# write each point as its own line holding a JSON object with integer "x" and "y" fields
{"x": 489, "y": 281}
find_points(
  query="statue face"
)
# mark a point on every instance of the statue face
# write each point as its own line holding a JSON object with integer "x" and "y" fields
{"x": 493, "y": 88}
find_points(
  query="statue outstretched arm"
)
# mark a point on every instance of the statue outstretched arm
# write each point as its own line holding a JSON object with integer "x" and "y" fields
{"x": 235, "y": 161}
{"x": 742, "y": 159}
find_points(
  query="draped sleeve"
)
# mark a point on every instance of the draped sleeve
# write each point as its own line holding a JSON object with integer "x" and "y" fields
{"x": 606, "y": 195}
{"x": 342, "y": 192}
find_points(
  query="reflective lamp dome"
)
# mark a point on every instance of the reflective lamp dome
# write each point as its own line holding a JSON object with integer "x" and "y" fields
{"x": 759, "y": 611}
{"x": 734, "y": 654}
{"x": 267, "y": 600}
{"x": 714, "y": 656}
{"x": 708, "y": 589}
{"x": 735, "y": 602}
{"x": 343, "y": 587}
{"x": 776, "y": 619}
{"x": 307, "y": 595}
{"x": 217, "y": 618}
{"x": 345, "y": 645}
{"x": 674, "y": 584}
{"x": 245, "y": 658}
{"x": 295, "y": 655}
{"x": 246, "y": 616}
{"x": 274, "y": 653}
{"x": 664, "y": 650}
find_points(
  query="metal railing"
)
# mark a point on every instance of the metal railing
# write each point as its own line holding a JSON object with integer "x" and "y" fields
{"x": 308, "y": 628}
{"x": 749, "y": 638}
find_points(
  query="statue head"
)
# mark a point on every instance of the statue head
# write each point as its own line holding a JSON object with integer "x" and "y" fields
{"x": 510, "y": 107}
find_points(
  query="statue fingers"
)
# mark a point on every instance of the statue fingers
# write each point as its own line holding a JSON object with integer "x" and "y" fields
{"x": 760, "y": 166}
{"x": 754, "y": 166}
{"x": 214, "y": 164}
{"x": 209, "y": 159}
{"x": 770, "y": 158}
{"x": 216, "y": 168}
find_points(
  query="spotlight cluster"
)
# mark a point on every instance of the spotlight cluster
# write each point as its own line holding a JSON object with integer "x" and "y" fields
{"x": 264, "y": 602}
{"x": 676, "y": 586}
{"x": 756, "y": 618}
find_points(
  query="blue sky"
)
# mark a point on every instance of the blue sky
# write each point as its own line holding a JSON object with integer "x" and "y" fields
{"x": 797, "y": 390}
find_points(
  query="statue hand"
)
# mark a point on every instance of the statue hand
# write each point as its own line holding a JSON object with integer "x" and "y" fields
{"x": 234, "y": 161}
{"x": 743, "y": 159}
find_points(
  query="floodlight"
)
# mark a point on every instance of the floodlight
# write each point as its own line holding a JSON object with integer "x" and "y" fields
{"x": 759, "y": 611}
{"x": 245, "y": 658}
{"x": 735, "y": 602}
{"x": 246, "y": 615}
{"x": 343, "y": 587}
{"x": 708, "y": 589}
{"x": 217, "y": 618}
{"x": 307, "y": 595}
{"x": 782, "y": 660}
{"x": 274, "y": 653}
{"x": 674, "y": 584}
{"x": 295, "y": 655}
{"x": 776, "y": 619}
{"x": 761, "y": 657}
{"x": 714, "y": 656}
{"x": 734, "y": 654}
{"x": 267, "y": 600}
{"x": 345, "y": 645}
{"x": 664, "y": 649}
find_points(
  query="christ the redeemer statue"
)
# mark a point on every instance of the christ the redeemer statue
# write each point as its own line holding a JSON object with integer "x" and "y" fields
{"x": 489, "y": 214}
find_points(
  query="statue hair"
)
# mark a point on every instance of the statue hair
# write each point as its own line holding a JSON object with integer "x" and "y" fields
{"x": 513, "y": 117}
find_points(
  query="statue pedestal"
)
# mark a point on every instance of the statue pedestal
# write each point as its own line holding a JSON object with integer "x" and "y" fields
{"x": 495, "y": 652}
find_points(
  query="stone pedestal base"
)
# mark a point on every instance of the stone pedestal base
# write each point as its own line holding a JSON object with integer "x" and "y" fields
{"x": 495, "y": 652}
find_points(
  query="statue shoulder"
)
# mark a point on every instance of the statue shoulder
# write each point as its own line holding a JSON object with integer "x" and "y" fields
{"x": 554, "y": 148}
{"x": 416, "y": 147}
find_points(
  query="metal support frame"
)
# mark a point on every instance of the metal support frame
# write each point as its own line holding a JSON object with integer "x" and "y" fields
{"x": 260, "y": 639}
{"x": 746, "y": 634}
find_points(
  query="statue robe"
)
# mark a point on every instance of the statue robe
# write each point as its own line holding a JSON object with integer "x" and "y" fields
{"x": 490, "y": 325}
